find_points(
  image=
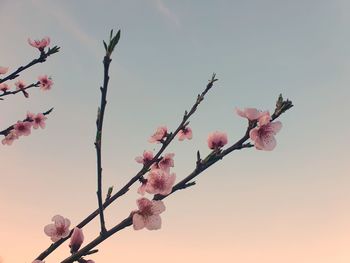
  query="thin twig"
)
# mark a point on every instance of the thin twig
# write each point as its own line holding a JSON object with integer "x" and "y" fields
{"x": 19, "y": 90}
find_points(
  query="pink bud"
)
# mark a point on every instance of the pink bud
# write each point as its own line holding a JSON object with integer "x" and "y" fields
{"x": 76, "y": 240}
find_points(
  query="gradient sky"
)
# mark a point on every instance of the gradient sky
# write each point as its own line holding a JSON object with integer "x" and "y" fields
{"x": 290, "y": 205}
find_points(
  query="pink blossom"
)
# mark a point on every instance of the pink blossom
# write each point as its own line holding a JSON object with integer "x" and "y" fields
{"x": 10, "y": 138}
{"x": 160, "y": 182}
{"x": 45, "y": 82}
{"x": 76, "y": 240}
{"x": 20, "y": 85}
{"x": 217, "y": 140}
{"x": 142, "y": 189}
{"x": 148, "y": 214}
{"x": 160, "y": 134}
{"x": 38, "y": 261}
{"x": 185, "y": 133}
{"x": 147, "y": 157}
{"x": 22, "y": 128}
{"x": 40, "y": 44}
{"x": 4, "y": 87}
{"x": 250, "y": 113}
{"x": 264, "y": 135}
{"x": 59, "y": 229}
{"x": 37, "y": 120}
{"x": 3, "y": 70}
{"x": 166, "y": 162}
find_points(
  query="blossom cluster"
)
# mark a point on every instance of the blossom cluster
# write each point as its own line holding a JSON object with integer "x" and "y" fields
{"x": 23, "y": 128}
{"x": 60, "y": 229}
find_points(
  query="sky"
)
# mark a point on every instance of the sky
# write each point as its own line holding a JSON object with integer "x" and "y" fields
{"x": 289, "y": 205}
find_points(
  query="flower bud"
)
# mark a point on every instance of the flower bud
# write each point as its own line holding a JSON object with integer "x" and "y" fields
{"x": 76, "y": 240}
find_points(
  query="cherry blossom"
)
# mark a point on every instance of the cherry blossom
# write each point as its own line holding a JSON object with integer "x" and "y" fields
{"x": 185, "y": 133}
{"x": 264, "y": 135}
{"x": 160, "y": 182}
{"x": 217, "y": 140}
{"x": 20, "y": 85}
{"x": 22, "y": 128}
{"x": 59, "y": 229}
{"x": 39, "y": 44}
{"x": 45, "y": 82}
{"x": 10, "y": 138}
{"x": 160, "y": 134}
{"x": 251, "y": 114}
{"x": 148, "y": 214}
{"x": 38, "y": 120}
{"x": 147, "y": 156}
{"x": 4, "y": 87}
{"x": 76, "y": 239}
{"x": 142, "y": 189}
{"x": 166, "y": 162}
{"x": 3, "y": 70}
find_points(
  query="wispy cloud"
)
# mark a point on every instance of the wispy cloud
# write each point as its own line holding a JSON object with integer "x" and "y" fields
{"x": 166, "y": 12}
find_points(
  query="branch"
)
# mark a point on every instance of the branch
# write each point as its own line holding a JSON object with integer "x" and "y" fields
{"x": 212, "y": 158}
{"x": 19, "y": 90}
{"x": 42, "y": 58}
{"x": 139, "y": 175}
{"x": 7, "y": 131}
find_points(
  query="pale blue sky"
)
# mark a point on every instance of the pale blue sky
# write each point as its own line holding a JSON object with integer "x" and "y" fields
{"x": 167, "y": 52}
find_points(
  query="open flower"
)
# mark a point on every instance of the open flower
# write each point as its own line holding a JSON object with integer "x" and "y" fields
{"x": 264, "y": 135}
{"x": 76, "y": 240}
{"x": 166, "y": 162}
{"x": 217, "y": 140}
{"x": 38, "y": 120}
{"x": 3, "y": 70}
{"x": 147, "y": 156}
{"x": 185, "y": 133}
{"x": 45, "y": 82}
{"x": 8, "y": 140}
{"x": 20, "y": 85}
{"x": 59, "y": 229}
{"x": 148, "y": 214}
{"x": 22, "y": 128}
{"x": 4, "y": 87}
{"x": 39, "y": 44}
{"x": 251, "y": 114}
{"x": 160, "y": 134}
{"x": 160, "y": 182}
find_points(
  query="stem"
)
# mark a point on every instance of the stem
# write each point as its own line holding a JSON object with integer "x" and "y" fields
{"x": 98, "y": 144}
{"x": 185, "y": 183}
{"x": 19, "y": 90}
{"x": 143, "y": 171}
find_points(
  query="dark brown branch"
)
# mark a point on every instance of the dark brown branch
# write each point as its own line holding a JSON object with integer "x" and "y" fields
{"x": 7, "y": 131}
{"x": 139, "y": 175}
{"x": 211, "y": 159}
{"x": 42, "y": 58}
{"x": 19, "y": 90}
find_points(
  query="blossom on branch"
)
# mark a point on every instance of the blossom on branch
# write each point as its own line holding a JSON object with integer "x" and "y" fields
{"x": 217, "y": 140}
{"x": 59, "y": 229}
{"x": 37, "y": 120}
{"x": 3, "y": 70}
{"x": 76, "y": 240}
{"x": 160, "y": 182}
{"x": 145, "y": 158}
{"x": 166, "y": 162}
{"x": 22, "y": 128}
{"x": 10, "y": 138}
{"x": 160, "y": 134}
{"x": 20, "y": 85}
{"x": 251, "y": 114}
{"x": 4, "y": 87}
{"x": 264, "y": 135}
{"x": 39, "y": 44}
{"x": 148, "y": 214}
{"x": 45, "y": 83}
{"x": 185, "y": 133}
